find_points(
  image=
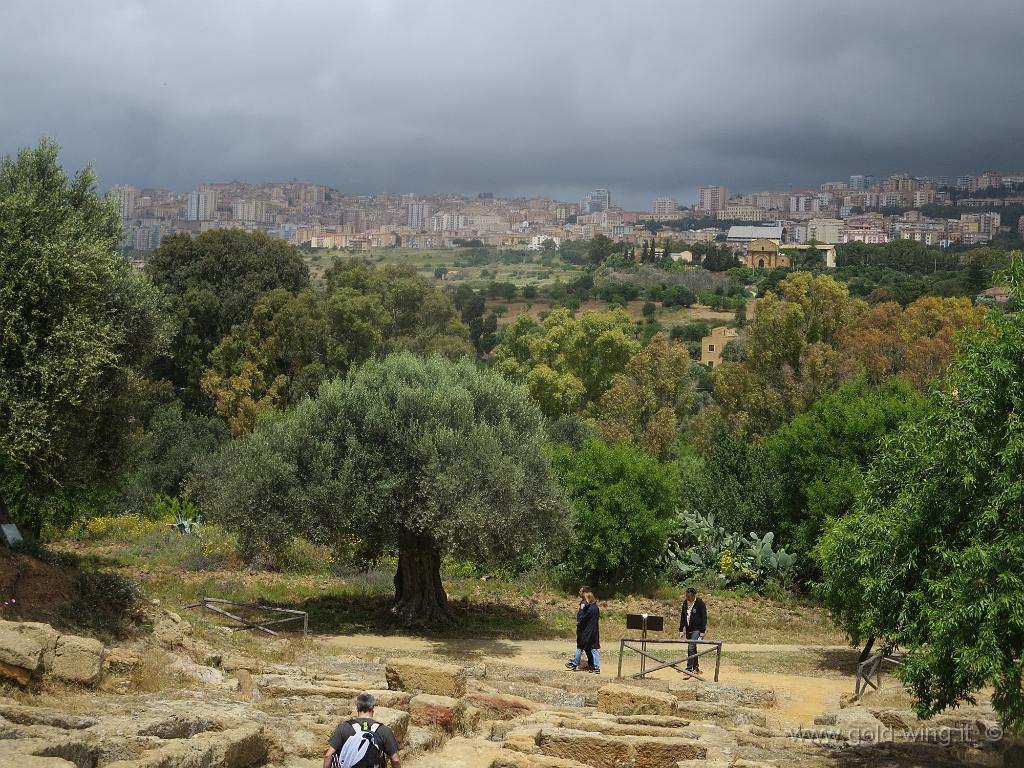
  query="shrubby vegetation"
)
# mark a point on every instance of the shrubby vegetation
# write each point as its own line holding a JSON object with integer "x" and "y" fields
{"x": 624, "y": 503}
{"x": 865, "y": 420}
{"x": 700, "y": 549}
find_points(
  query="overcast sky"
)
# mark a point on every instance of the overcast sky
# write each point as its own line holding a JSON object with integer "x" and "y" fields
{"x": 548, "y": 97}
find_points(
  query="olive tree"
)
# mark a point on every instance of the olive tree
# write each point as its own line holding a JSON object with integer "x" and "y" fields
{"x": 418, "y": 456}
{"x": 79, "y": 328}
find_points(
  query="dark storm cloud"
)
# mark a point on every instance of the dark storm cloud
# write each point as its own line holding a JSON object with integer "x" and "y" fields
{"x": 645, "y": 98}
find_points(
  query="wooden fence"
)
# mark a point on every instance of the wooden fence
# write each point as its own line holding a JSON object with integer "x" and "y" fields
{"x": 215, "y": 605}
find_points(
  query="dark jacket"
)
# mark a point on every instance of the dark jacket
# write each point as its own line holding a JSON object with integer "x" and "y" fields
{"x": 698, "y": 618}
{"x": 588, "y": 633}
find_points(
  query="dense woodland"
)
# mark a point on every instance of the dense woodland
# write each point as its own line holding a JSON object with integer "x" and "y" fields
{"x": 862, "y": 441}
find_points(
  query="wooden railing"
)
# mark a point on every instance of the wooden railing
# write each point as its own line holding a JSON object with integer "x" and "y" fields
{"x": 872, "y": 668}
{"x": 214, "y": 605}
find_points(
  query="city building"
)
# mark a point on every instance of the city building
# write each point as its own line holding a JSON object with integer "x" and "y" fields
{"x": 125, "y": 196}
{"x": 250, "y": 211}
{"x": 537, "y": 242}
{"x": 861, "y": 182}
{"x": 201, "y": 206}
{"x": 743, "y": 213}
{"x": 741, "y": 236}
{"x": 664, "y": 205}
{"x": 597, "y": 201}
{"x": 418, "y": 214}
{"x": 825, "y": 230}
{"x": 763, "y": 253}
{"x": 864, "y": 234}
{"x": 712, "y": 199}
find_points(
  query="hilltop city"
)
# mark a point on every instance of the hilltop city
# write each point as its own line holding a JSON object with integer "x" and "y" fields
{"x": 934, "y": 210}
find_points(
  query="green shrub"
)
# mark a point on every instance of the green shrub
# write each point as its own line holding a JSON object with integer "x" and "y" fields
{"x": 303, "y": 556}
{"x": 624, "y": 503}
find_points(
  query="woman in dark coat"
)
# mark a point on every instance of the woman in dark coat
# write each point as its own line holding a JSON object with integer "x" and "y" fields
{"x": 588, "y": 633}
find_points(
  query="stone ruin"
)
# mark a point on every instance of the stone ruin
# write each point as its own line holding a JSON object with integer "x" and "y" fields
{"x": 233, "y": 711}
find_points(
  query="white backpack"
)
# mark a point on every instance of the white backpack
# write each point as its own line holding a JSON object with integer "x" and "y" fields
{"x": 362, "y": 749}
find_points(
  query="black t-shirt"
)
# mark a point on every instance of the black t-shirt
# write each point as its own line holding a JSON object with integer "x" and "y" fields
{"x": 385, "y": 736}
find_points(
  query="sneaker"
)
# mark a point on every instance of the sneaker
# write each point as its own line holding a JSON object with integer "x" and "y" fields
{"x": 570, "y": 665}
{"x": 596, "y": 671}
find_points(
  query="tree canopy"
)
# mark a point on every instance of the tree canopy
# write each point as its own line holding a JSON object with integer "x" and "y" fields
{"x": 643, "y": 404}
{"x": 817, "y": 462}
{"x": 78, "y": 329}
{"x": 419, "y": 456}
{"x": 932, "y": 559}
{"x": 293, "y": 342}
{"x": 567, "y": 362}
{"x": 214, "y": 282}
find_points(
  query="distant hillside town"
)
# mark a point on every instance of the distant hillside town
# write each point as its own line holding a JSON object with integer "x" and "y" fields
{"x": 938, "y": 211}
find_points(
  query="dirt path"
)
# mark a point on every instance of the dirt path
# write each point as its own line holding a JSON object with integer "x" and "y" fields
{"x": 801, "y": 697}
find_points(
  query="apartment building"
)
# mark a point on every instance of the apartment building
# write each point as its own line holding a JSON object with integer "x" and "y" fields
{"x": 712, "y": 199}
{"x": 664, "y": 205}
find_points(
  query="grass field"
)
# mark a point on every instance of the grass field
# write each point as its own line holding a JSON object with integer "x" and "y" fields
{"x": 178, "y": 570}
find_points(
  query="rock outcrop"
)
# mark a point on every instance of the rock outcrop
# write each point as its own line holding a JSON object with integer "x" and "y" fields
{"x": 33, "y": 650}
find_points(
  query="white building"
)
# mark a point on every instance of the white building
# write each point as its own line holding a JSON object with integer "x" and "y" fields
{"x": 537, "y": 242}
{"x": 741, "y": 236}
{"x": 125, "y": 196}
{"x": 826, "y": 230}
{"x": 202, "y": 205}
{"x": 447, "y": 222}
{"x": 663, "y": 205}
{"x": 250, "y": 211}
{"x": 596, "y": 201}
{"x": 419, "y": 213}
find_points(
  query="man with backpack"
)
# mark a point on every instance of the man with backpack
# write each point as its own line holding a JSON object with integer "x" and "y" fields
{"x": 362, "y": 742}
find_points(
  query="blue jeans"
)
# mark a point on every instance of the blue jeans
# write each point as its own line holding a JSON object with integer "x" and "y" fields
{"x": 691, "y": 649}
{"x": 593, "y": 657}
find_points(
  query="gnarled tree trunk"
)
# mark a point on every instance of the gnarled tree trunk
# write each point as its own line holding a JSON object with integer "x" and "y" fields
{"x": 420, "y": 599}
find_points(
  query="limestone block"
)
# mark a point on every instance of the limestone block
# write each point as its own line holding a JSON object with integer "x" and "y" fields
{"x": 442, "y": 712}
{"x": 122, "y": 661}
{"x": 665, "y": 750}
{"x": 27, "y": 761}
{"x": 171, "y": 630}
{"x": 500, "y": 706}
{"x": 592, "y": 749}
{"x": 71, "y": 749}
{"x": 418, "y": 740}
{"x": 43, "y": 634}
{"x": 24, "y": 715}
{"x": 430, "y": 677}
{"x": 632, "y": 700}
{"x": 20, "y": 656}
{"x": 78, "y": 660}
{"x": 395, "y": 719}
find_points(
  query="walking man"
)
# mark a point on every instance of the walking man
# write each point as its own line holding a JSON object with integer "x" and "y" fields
{"x": 362, "y": 742}
{"x": 693, "y": 623}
